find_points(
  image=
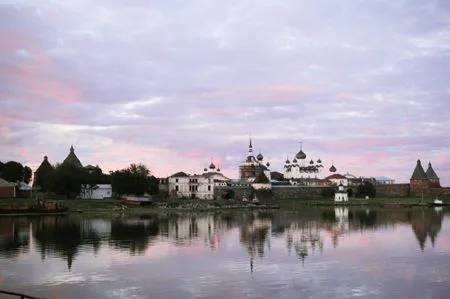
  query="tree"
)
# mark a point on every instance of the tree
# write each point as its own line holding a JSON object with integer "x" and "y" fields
{"x": 68, "y": 180}
{"x": 135, "y": 180}
{"x": 12, "y": 171}
{"x": 328, "y": 192}
{"x": 1, "y": 167}
{"x": 366, "y": 189}
{"x": 27, "y": 174}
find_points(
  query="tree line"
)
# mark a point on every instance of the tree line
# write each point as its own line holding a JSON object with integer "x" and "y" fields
{"x": 13, "y": 171}
{"x": 70, "y": 181}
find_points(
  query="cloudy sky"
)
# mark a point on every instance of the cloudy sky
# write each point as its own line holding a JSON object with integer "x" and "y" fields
{"x": 174, "y": 84}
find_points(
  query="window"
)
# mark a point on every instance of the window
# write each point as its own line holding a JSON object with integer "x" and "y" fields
{"x": 209, "y": 187}
{"x": 176, "y": 188}
{"x": 176, "y": 180}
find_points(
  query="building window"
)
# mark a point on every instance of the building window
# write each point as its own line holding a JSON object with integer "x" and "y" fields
{"x": 176, "y": 180}
{"x": 209, "y": 187}
{"x": 176, "y": 188}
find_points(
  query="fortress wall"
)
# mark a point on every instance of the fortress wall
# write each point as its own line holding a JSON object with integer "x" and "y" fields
{"x": 392, "y": 190}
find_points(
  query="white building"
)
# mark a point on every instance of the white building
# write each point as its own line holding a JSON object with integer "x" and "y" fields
{"x": 384, "y": 180}
{"x": 199, "y": 186}
{"x": 341, "y": 194}
{"x": 99, "y": 191}
{"x": 337, "y": 179}
{"x": 301, "y": 168}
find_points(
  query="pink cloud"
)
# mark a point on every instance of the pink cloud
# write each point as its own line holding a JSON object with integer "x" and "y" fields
{"x": 35, "y": 74}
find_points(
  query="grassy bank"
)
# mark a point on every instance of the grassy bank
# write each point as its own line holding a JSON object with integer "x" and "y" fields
{"x": 113, "y": 206}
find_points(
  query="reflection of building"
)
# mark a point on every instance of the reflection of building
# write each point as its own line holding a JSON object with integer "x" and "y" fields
{"x": 254, "y": 234}
{"x": 426, "y": 223}
{"x": 304, "y": 237}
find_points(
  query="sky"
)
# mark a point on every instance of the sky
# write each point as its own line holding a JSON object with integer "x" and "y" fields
{"x": 175, "y": 84}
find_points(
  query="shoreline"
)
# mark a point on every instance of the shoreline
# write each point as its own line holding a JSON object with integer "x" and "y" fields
{"x": 113, "y": 207}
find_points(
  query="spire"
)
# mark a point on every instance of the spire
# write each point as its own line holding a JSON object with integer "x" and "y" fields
{"x": 431, "y": 174}
{"x": 250, "y": 146}
{"x": 72, "y": 150}
{"x": 419, "y": 173}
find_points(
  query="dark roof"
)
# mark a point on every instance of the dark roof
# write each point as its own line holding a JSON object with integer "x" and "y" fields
{"x": 430, "y": 173}
{"x": 336, "y": 176}
{"x": 275, "y": 175}
{"x": 419, "y": 173}
{"x": 301, "y": 155}
{"x": 179, "y": 174}
{"x": 44, "y": 165}
{"x": 261, "y": 179}
{"x": 72, "y": 159}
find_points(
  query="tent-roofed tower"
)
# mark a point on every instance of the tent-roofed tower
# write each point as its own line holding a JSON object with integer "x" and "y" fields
{"x": 72, "y": 159}
{"x": 43, "y": 176}
{"x": 419, "y": 180}
{"x": 432, "y": 176}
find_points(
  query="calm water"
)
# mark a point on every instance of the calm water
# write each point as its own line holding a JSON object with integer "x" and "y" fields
{"x": 316, "y": 253}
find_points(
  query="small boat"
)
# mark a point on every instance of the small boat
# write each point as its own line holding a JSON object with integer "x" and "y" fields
{"x": 136, "y": 200}
{"x": 436, "y": 203}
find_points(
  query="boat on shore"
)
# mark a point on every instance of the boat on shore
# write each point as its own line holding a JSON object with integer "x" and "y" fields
{"x": 48, "y": 207}
{"x": 136, "y": 200}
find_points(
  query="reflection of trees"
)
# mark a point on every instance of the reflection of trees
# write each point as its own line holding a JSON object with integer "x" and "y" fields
{"x": 14, "y": 236}
{"x": 57, "y": 235}
{"x": 426, "y": 223}
{"x": 133, "y": 234}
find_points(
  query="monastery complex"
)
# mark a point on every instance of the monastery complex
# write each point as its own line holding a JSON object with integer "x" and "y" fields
{"x": 301, "y": 176}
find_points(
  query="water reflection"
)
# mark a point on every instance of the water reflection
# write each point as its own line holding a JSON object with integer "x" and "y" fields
{"x": 303, "y": 232}
{"x": 14, "y": 236}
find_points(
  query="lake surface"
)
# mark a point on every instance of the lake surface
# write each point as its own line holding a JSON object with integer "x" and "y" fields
{"x": 315, "y": 253}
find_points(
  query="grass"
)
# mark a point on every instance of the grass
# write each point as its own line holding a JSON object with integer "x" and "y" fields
{"x": 112, "y": 206}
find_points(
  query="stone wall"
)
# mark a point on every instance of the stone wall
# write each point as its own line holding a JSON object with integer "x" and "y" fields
{"x": 291, "y": 192}
{"x": 392, "y": 190}
{"x": 278, "y": 192}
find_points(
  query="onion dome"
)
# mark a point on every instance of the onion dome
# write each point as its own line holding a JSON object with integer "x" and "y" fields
{"x": 212, "y": 166}
{"x": 205, "y": 170}
{"x": 311, "y": 162}
{"x": 332, "y": 168}
{"x": 268, "y": 164}
{"x": 294, "y": 161}
{"x": 287, "y": 161}
{"x": 218, "y": 169}
{"x": 260, "y": 157}
{"x": 319, "y": 161}
{"x": 301, "y": 155}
